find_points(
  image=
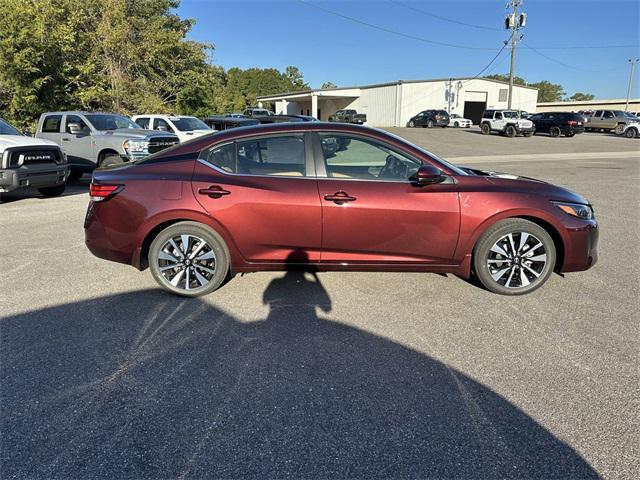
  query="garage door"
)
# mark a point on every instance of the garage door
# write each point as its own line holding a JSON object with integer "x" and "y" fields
{"x": 473, "y": 111}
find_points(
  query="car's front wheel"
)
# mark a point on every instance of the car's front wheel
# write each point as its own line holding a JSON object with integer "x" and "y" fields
{"x": 514, "y": 257}
{"x": 630, "y": 133}
{"x": 189, "y": 259}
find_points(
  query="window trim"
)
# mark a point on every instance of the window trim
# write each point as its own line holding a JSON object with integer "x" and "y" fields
{"x": 309, "y": 164}
{"x": 51, "y": 115}
{"x": 321, "y": 167}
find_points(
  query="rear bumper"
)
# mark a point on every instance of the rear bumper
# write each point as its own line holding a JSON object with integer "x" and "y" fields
{"x": 572, "y": 130}
{"x": 581, "y": 251}
{"x": 36, "y": 176}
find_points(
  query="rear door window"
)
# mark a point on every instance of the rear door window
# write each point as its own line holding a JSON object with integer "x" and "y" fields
{"x": 274, "y": 156}
{"x": 51, "y": 124}
{"x": 608, "y": 114}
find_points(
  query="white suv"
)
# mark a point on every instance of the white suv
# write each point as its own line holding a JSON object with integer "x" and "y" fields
{"x": 506, "y": 122}
{"x": 184, "y": 127}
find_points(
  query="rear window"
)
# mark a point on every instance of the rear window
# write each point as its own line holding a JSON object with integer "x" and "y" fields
{"x": 282, "y": 156}
{"x": 487, "y": 114}
{"x": 51, "y": 124}
{"x": 143, "y": 122}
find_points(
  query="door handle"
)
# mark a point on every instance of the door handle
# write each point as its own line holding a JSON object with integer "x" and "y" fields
{"x": 214, "y": 191}
{"x": 340, "y": 197}
{"x": 66, "y": 139}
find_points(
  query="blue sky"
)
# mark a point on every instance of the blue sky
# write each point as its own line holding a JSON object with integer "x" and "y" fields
{"x": 327, "y": 47}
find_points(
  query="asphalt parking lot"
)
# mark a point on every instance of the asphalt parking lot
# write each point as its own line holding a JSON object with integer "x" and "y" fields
{"x": 339, "y": 375}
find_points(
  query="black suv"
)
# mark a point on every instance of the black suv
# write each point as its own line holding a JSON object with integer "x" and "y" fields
{"x": 429, "y": 119}
{"x": 558, "y": 123}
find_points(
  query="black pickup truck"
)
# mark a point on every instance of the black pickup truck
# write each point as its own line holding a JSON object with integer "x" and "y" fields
{"x": 348, "y": 116}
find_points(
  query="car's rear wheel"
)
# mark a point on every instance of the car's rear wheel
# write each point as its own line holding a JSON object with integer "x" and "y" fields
{"x": 485, "y": 129}
{"x": 619, "y": 128}
{"x": 510, "y": 131}
{"x": 412, "y": 124}
{"x": 189, "y": 259}
{"x": 514, "y": 257}
{"x": 631, "y": 133}
{"x": 430, "y": 124}
{"x": 555, "y": 131}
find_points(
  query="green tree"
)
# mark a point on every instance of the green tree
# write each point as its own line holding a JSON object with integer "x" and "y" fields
{"x": 504, "y": 77}
{"x": 548, "y": 92}
{"x": 329, "y": 85}
{"x": 580, "y": 97}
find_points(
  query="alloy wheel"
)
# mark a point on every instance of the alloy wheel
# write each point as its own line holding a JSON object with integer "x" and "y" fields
{"x": 187, "y": 262}
{"x": 517, "y": 260}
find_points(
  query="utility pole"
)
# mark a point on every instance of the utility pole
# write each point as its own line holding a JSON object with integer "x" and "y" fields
{"x": 514, "y": 22}
{"x": 633, "y": 66}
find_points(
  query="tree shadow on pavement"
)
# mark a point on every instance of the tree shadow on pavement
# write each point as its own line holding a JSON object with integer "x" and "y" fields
{"x": 147, "y": 385}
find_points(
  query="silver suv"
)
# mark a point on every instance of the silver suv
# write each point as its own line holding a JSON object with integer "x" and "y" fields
{"x": 608, "y": 120}
{"x": 93, "y": 139}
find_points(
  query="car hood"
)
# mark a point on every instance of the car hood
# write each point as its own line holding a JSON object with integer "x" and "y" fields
{"x": 135, "y": 133}
{"x": 7, "y": 141}
{"x": 516, "y": 183}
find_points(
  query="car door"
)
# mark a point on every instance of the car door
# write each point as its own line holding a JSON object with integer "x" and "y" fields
{"x": 498, "y": 121}
{"x": 373, "y": 214}
{"x": 596, "y": 119}
{"x": 79, "y": 145}
{"x": 50, "y": 129}
{"x": 540, "y": 122}
{"x": 263, "y": 191}
{"x": 609, "y": 119}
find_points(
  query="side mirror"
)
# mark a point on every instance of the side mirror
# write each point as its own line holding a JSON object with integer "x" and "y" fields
{"x": 428, "y": 174}
{"x": 74, "y": 129}
{"x": 162, "y": 128}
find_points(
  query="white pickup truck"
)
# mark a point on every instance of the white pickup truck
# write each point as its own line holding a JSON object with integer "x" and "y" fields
{"x": 30, "y": 162}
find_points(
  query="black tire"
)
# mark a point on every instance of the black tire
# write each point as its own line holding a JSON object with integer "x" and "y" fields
{"x": 55, "y": 191}
{"x": 430, "y": 123}
{"x": 111, "y": 159}
{"x": 631, "y": 133}
{"x": 214, "y": 243}
{"x": 456, "y": 124}
{"x": 494, "y": 235}
{"x": 485, "y": 128}
{"x": 75, "y": 175}
{"x": 510, "y": 131}
{"x": 619, "y": 128}
{"x": 570, "y": 134}
{"x": 555, "y": 131}
{"x": 412, "y": 124}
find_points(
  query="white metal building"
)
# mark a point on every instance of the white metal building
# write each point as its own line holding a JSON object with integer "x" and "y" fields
{"x": 392, "y": 104}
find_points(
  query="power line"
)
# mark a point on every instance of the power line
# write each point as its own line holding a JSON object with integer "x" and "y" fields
{"x": 555, "y": 60}
{"x": 388, "y": 30}
{"x": 444, "y": 19}
{"x": 488, "y": 64}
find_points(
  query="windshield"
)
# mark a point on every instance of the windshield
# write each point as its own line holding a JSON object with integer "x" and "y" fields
{"x": 188, "y": 124}
{"x": 6, "y": 129}
{"x": 630, "y": 115}
{"x": 510, "y": 114}
{"x": 107, "y": 121}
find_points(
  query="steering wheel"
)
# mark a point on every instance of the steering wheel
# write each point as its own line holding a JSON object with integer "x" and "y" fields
{"x": 394, "y": 168}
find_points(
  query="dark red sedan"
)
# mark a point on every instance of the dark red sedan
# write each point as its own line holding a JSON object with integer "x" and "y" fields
{"x": 331, "y": 197}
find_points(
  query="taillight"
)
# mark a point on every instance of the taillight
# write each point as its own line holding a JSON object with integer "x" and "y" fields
{"x": 99, "y": 192}
{"x": 572, "y": 122}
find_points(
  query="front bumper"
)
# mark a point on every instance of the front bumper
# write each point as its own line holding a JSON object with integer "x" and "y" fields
{"x": 581, "y": 250}
{"x": 526, "y": 130}
{"x": 36, "y": 176}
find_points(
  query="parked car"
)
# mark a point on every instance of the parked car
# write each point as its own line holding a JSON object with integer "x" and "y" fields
{"x": 429, "y": 119}
{"x": 609, "y": 120}
{"x": 558, "y": 123}
{"x": 523, "y": 114}
{"x": 631, "y": 130}
{"x": 236, "y": 115}
{"x": 278, "y": 118}
{"x": 30, "y": 162}
{"x": 456, "y": 121}
{"x": 223, "y": 123}
{"x": 94, "y": 139}
{"x": 257, "y": 112}
{"x": 270, "y": 197}
{"x": 184, "y": 127}
{"x": 348, "y": 116}
{"x": 506, "y": 122}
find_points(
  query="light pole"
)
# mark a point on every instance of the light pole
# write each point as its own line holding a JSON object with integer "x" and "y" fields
{"x": 633, "y": 66}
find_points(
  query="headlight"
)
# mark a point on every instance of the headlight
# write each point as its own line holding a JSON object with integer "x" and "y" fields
{"x": 135, "y": 146}
{"x": 584, "y": 212}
